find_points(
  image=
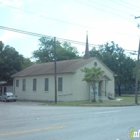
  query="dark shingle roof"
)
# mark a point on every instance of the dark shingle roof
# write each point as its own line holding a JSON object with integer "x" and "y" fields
{"x": 66, "y": 66}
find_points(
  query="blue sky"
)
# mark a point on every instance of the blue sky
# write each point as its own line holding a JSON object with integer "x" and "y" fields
{"x": 105, "y": 20}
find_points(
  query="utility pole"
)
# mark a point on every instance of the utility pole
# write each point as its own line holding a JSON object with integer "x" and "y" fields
{"x": 137, "y": 71}
{"x": 137, "y": 75}
{"x": 55, "y": 71}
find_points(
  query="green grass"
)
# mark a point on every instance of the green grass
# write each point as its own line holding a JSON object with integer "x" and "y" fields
{"x": 127, "y": 100}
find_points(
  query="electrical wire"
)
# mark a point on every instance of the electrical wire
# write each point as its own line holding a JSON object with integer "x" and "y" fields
{"x": 130, "y": 4}
{"x": 120, "y": 16}
{"x": 51, "y": 37}
{"x": 110, "y": 7}
{"x": 41, "y": 35}
{"x": 61, "y": 20}
{"x": 123, "y": 5}
{"x": 50, "y": 18}
{"x": 66, "y": 22}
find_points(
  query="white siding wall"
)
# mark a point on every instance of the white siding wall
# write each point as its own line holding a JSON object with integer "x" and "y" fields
{"x": 81, "y": 90}
{"x": 67, "y": 93}
{"x": 110, "y": 89}
{"x": 40, "y": 93}
{"x": 74, "y": 88}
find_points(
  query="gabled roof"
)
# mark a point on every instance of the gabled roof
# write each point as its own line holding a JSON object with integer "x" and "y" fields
{"x": 66, "y": 66}
{"x": 106, "y": 77}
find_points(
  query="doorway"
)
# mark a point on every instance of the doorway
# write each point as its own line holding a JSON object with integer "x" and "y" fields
{"x": 5, "y": 89}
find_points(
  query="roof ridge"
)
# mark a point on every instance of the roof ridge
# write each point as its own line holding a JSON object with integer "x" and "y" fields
{"x": 65, "y": 66}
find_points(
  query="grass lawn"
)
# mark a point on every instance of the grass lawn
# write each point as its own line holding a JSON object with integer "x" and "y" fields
{"x": 125, "y": 100}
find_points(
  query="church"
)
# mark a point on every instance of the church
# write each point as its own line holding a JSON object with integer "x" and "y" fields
{"x": 37, "y": 82}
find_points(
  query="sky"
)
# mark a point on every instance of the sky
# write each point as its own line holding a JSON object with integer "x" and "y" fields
{"x": 105, "y": 21}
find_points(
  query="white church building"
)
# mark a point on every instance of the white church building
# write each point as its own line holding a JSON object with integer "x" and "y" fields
{"x": 37, "y": 82}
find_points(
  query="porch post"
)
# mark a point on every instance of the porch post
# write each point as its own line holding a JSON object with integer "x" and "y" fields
{"x": 105, "y": 87}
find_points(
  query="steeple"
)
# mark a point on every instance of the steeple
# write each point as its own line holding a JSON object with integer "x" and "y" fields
{"x": 87, "y": 54}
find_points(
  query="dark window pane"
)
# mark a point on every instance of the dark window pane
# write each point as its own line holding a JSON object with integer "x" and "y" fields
{"x": 34, "y": 84}
{"x": 17, "y": 83}
{"x": 60, "y": 84}
{"x": 46, "y": 84}
{"x": 24, "y": 84}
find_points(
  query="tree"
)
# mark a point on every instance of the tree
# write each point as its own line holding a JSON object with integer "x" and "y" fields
{"x": 92, "y": 75}
{"x": 115, "y": 58}
{"x": 67, "y": 46}
{"x": 45, "y": 53}
{"x": 11, "y": 62}
{"x": 26, "y": 63}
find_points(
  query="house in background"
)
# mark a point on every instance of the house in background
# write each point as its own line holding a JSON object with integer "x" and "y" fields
{"x": 6, "y": 87}
{"x": 37, "y": 81}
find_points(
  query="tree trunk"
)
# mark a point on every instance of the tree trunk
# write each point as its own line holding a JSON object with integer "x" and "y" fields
{"x": 119, "y": 90}
{"x": 93, "y": 87}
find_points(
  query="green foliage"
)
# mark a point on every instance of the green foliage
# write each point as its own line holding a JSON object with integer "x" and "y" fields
{"x": 26, "y": 63}
{"x": 45, "y": 53}
{"x": 115, "y": 58}
{"x": 10, "y": 62}
{"x": 67, "y": 46}
{"x": 134, "y": 74}
{"x": 92, "y": 75}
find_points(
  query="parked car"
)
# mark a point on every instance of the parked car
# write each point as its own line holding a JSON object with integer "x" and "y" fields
{"x": 8, "y": 96}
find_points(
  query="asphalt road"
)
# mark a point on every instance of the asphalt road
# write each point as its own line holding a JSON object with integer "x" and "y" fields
{"x": 33, "y": 121}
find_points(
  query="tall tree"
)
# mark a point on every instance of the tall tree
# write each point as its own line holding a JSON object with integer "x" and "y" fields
{"x": 115, "y": 58}
{"x": 10, "y": 62}
{"x": 45, "y": 53}
{"x": 26, "y": 63}
{"x": 92, "y": 75}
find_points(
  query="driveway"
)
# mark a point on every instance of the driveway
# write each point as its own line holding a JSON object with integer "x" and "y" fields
{"x": 34, "y": 121}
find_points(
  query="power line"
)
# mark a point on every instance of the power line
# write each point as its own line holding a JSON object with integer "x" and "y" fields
{"x": 24, "y": 32}
{"x": 124, "y": 6}
{"x": 110, "y": 7}
{"x": 41, "y": 35}
{"x": 50, "y": 18}
{"x": 51, "y": 37}
{"x": 66, "y": 22}
{"x": 104, "y": 10}
{"x": 61, "y": 20}
{"x": 130, "y": 4}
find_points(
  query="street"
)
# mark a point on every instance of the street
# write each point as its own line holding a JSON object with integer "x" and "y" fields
{"x": 34, "y": 121}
